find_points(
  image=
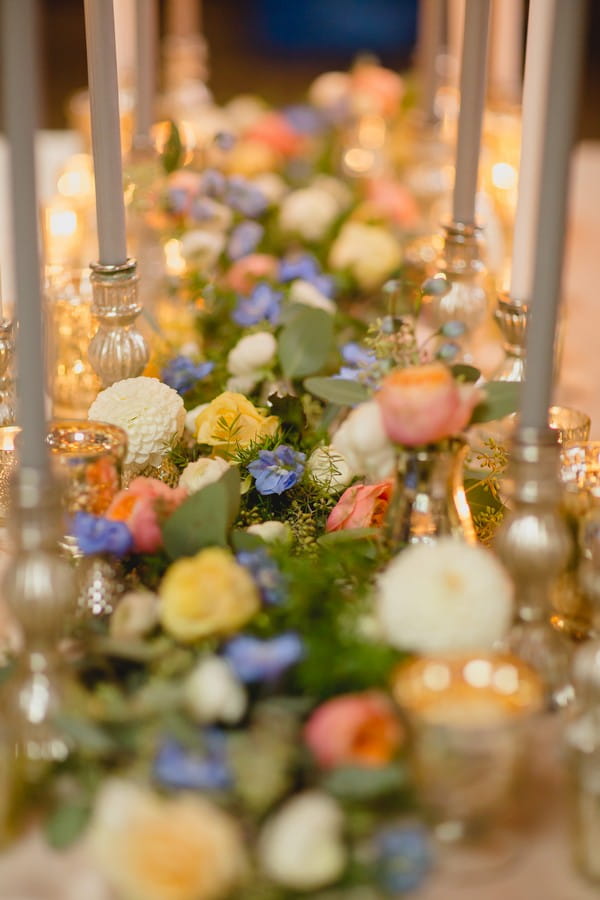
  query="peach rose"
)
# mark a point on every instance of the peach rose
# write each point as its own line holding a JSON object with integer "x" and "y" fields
{"x": 245, "y": 272}
{"x": 377, "y": 89}
{"x": 274, "y": 130}
{"x": 354, "y": 730}
{"x": 142, "y": 506}
{"x": 424, "y": 404}
{"x": 230, "y": 420}
{"x": 360, "y": 506}
{"x": 392, "y": 200}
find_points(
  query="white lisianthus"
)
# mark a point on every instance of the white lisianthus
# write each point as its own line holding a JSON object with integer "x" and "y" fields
{"x": 244, "y": 110}
{"x": 329, "y": 469}
{"x": 191, "y": 416}
{"x": 252, "y": 352}
{"x": 308, "y": 295}
{"x": 243, "y": 384}
{"x": 444, "y": 597}
{"x": 301, "y": 846}
{"x": 135, "y": 615}
{"x": 272, "y": 186}
{"x": 203, "y": 471}
{"x": 202, "y": 247}
{"x": 308, "y": 212}
{"x": 364, "y": 444}
{"x": 272, "y": 531}
{"x": 150, "y": 412}
{"x": 212, "y": 693}
{"x": 330, "y": 89}
{"x": 338, "y": 190}
{"x": 369, "y": 252}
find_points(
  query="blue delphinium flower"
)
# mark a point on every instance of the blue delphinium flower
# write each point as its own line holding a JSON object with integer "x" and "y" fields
{"x": 403, "y": 857}
{"x": 453, "y": 329}
{"x": 245, "y": 197}
{"x": 95, "y": 534}
{"x": 266, "y": 575}
{"x": 244, "y": 239}
{"x": 182, "y": 373}
{"x": 213, "y": 183}
{"x": 304, "y": 266}
{"x": 304, "y": 119}
{"x": 177, "y": 767}
{"x": 276, "y": 471}
{"x": 263, "y": 304}
{"x": 254, "y": 660}
{"x": 355, "y": 354}
{"x": 179, "y": 199}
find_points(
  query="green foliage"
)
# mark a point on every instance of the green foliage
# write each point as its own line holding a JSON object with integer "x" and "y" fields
{"x": 501, "y": 399}
{"x": 305, "y": 341}
{"x": 340, "y": 391}
{"x": 203, "y": 520}
{"x": 173, "y": 150}
{"x": 465, "y": 373}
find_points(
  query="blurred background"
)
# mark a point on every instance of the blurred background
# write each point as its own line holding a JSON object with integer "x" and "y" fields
{"x": 275, "y": 48}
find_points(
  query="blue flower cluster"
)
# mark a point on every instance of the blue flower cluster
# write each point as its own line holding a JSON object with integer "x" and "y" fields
{"x": 244, "y": 239}
{"x": 276, "y": 471}
{"x": 244, "y": 197}
{"x": 182, "y": 373}
{"x": 304, "y": 119}
{"x": 403, "y": 857}
{"x": 254, "y": 660}
{"x": 206, "y": 769}
{"x": 237, "y": 192}
{"x": 266, "y": 574}
{"x": 358, "y": 363}
{"x": 263, "y": 305}
{"x": 306, "y": 267}
{"x": 95, "y": 534}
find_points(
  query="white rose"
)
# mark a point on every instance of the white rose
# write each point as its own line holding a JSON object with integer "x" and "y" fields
{"x": 212, "y": 693}
{"x": 252, "y": 352}
{"x": 245, "y": 109}
{"x": 135, "y": 615}
{"x": 330, "y": 89}
{"x": 272, "y": 186}
{"x": 308, "y": 295}
{"x": 272, "y": 531}
{"x": 329, "y": 469}
{"x": 191, "y": 416}
{"x": 363, "y": 442}
{"x": 203, "y": 248}
{"x": 309, "y": 212}
{"x": 336, "y": 188}
{"x": 444, "y": 597}
{"x": 301, "y": 846}
{"x": 198, "y": 474}
{"x": 369, "y": 252}
{"x": 243, "y": 384}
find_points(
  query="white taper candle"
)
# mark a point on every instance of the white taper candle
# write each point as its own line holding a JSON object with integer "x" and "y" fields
{"x": 147, "y": 37}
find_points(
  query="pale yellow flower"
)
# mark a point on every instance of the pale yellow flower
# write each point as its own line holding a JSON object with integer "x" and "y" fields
{"x": 207, "y": 594}
{"x": 155, "y": 849}
{"x": 231, "y": 420}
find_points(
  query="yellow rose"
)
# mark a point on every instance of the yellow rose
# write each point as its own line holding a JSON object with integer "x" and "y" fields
{"x": 231, "y": 420}
{"x": 156, "y": 849}
{"x": 206, "y": 594}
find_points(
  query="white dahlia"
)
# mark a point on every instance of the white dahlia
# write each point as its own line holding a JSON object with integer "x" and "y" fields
{"x": 444, "y": 597}
{"x": 149, "y": 411}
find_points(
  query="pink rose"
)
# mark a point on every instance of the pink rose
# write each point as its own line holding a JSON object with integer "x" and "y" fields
{"x": 275, "y": 131}
{"x": 360, "y": 506}
{"x": 424, "y": 404}
{"x": 392, "y": 200}
{"x": 354, "y": 730}
{"x": 142, "y": 506}
{"x": 245, "y": 272}
{"x": 381, "y": 88}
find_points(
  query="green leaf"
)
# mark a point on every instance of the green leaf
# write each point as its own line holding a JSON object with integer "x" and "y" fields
{"x": 242, "y": 541}
{"x": 66, "y": 823}
{"x": 88, "y": 737}
{"x": 358, "y": 783}
{"x": 289, "y": 411}
{"x": 173, "y": 150}
{"x": 340, "y": 391}
{"x": 232, "y": 482}
{"x": 348, "y": 535}
{"x": 462, "y": 372}
{"x": 305, "y": 342}
{"x": 200, "y": 521}
{"x": 501, "y": 399}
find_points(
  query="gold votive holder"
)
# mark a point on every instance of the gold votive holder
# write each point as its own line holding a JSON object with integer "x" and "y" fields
{"x": 8, "y": 464}
{"x": 467, "y": 717}
{"x": 569, "y": 424}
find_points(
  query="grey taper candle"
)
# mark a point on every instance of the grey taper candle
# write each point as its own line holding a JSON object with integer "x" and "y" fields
{"x": 470, "y": 118}
{"x": 106, "y": 138}
{"x": 430, "y": 37}
{"x": 20, "y": 57}
{"x": 560, "y": 104}
{"x": 146, "y": 17}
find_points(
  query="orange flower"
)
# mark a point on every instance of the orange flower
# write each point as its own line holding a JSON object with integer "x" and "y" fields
{"x": 360, "y": 506}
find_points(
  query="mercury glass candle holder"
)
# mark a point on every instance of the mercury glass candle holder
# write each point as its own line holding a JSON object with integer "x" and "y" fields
{"x": 469, "y": 717}
{"x": 8, "y": 465}
{"x": 511, "y": 318}
{"x": 7, "y": 380}
{"x": 571, "y": 425}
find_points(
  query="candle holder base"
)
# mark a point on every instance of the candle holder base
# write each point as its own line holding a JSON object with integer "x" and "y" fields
{"x": 117, "y": 350}
{"x": 511, "y": 317}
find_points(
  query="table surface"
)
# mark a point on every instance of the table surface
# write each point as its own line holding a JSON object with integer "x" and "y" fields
{"x": 541, "y": 867}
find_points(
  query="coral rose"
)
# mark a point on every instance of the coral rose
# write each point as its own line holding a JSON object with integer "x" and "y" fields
{"x": 276, "y": 132}
{"x": 243, "y": 274}
{"x": 142, "y": 506}
{"x": 354, "y": 730}
{"x": 230, "y": 420}
{"x": 360, "y": 506}
{"x": 207, "y": 594}
{"x": 424, "y": 404}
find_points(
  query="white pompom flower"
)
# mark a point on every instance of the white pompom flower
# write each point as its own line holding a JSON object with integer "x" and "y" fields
{"x": 150, "y": 412}
{"x": 444, "y": 597}
{"x": 329, "y": 469}
{"x": 364, "y": 444}
{"x": 251, "y": 353}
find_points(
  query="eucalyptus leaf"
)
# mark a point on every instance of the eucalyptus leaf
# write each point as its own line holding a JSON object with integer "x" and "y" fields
{"x": 173, "y": 150}
{"x": 358, "y": 783}
{"x": 305, "y": 342}
{"x": 501, "y": 399}
{"x": 462, "y": 372}
{"x": 243, "y": 541}
{"x": 435, "y": 287}
{"x": 201, "y": 521}
{"x": 347, "y": 536}
{"x": 341, "y": 391}
{"x": 66, "y": 823}
{"x": 89, "y": 738}
{"x": 232, "y": 482}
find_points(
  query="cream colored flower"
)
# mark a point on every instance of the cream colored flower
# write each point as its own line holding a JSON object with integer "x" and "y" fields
{"x": 191, "y": 416}
{"x": 203, "y": 471}
{"x": 150, "y": 848}
{"x": 202, "y": 247}
{"x": 369, "y": 252}
{"x": 272, "y": 531}
{"x": 245, "y": 109}
{"x": 252, "y": 352}
{"x": 207, "y": 594}
{"x": 364, "y": 444}
{"x": 243, "y": 384}
{"x": 329, "y": 469}
{"x": 272, "y": 186}
{"x": 444, "y": 597}
{"x": 212, "y": 693}
{"x": 230, "y": 420}
{"x": 330, "y": 89}
{"x": 308, "y": 212}
{"x": 301, "y": 846}
{"x": 151, "y": 413}
{"x": 135, "y": 615}
{"x": 308, "y": 295}
{"x": 340, "y": 192}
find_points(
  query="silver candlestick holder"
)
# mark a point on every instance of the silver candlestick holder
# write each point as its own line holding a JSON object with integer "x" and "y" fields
{"x": 39, "y": 585}
{"x": 7, "y": 380}
{"x": 117, "y": 350}
{"x": 535, "y": 545}
{"x": 511, "y": 317}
